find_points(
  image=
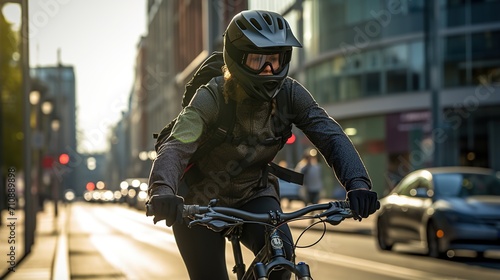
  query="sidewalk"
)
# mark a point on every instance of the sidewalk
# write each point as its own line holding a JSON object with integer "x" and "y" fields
{"x": 62, "y": 251}
{"x": 47, "y": 259}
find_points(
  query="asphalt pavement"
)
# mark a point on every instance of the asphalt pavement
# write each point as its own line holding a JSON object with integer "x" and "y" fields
{"x": 62, "y": 252}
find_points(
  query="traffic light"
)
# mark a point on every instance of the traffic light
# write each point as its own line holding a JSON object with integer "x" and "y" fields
{"x": 90, "y": 186}
{"x": 291, "y": 139}
{"x": 63, "y": 159}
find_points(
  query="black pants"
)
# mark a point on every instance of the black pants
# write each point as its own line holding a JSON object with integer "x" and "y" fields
{"x": 203, "y": 250}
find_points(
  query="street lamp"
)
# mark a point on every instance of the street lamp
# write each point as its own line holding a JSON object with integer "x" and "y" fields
{"x": 46, "y": 131}
{"x": 47, "y": 107}
{"x": 34, "y": 97}
{"x": 55, "y": 125}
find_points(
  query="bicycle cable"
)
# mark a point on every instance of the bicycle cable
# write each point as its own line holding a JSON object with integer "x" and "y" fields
{"x": 321, "y": 221}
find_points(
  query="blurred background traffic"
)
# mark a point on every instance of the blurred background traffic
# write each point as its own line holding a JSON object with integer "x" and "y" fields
{"x": 415, "y": 84}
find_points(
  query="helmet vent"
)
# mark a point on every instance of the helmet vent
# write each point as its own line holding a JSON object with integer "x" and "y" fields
{"x": 280, "y": 23}
{"x": 268, "y": 19}
{"x": 256, "y": 23}
{"x": 241, "y": 25}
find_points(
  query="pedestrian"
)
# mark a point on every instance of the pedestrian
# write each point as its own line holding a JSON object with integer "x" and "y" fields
{"x": 257, "y": 49}
{"x": 313, "y": 182}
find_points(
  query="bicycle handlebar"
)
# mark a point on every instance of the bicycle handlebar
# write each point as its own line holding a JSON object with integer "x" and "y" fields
{"x": 218, "y": 218}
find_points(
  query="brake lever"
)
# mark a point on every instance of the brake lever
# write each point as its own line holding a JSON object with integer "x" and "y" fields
{"x": 199, "y": 220}
{"x": 336, "y": 209}
{"x": 335, "y": 219}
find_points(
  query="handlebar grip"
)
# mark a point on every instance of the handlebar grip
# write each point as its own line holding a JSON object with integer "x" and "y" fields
{"x": 190, "y": 210}
{"x": 343, "y": 204}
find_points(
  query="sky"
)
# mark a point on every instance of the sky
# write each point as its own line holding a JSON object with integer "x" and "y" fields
{"x": 99, "y": 39}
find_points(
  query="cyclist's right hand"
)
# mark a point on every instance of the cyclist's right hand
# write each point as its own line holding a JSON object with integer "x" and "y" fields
{"x": 363, "y": 202}
{"x": 167, "y": 207}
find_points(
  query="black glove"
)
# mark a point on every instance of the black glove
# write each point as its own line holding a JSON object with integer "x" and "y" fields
{"x": 167, "y": 207}
{"x": 362, "y": 202}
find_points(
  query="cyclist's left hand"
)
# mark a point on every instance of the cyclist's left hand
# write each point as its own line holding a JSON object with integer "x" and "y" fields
{"x": 363, "y": 202}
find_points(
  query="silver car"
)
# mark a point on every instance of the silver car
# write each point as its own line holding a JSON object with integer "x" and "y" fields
{"x": 446, "y": 208}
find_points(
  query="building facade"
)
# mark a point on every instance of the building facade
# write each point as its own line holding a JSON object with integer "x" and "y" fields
{"x": 413, "y": 83}
{"x": 60, "y": 125}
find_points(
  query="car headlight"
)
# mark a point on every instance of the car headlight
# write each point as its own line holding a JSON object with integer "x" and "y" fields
{"x": 143, "y": 195}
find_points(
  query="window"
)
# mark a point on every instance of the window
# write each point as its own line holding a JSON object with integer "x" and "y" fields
{"x": 373, "y": 60}
{"x": 417, "y": 59}
{"x": 485, "y": 11}
{"x": 373, "y": 66}
{"x": 485, "y": 56}
{"x": 372, "y": 84}
{"x": 396, "y": 62}
{"x": 396, "y": 56}
{"x": 453, "y": 12}
{"x": 396, "y": 81}
{"x": 354, "y": 11}
{"x": 350, "y": 87}
{"x": 454, "y": 61}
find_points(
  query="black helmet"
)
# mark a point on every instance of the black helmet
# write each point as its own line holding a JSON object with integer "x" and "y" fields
{"x": 259, "y": 33}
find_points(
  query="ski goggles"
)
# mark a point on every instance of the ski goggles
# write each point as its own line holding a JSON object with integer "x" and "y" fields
{"x": 257, "y": 62}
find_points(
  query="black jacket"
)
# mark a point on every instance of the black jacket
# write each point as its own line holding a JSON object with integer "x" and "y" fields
{"x": 232, "y": 172}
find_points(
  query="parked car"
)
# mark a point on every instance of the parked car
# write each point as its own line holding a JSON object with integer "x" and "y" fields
{"x": 445, "y": 208}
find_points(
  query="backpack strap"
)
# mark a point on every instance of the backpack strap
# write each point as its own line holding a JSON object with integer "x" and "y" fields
{"x": 224, "y": 125}
{"x": 286, "y": 174}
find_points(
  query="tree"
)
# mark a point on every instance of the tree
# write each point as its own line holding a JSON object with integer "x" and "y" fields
{"x": 11, "y": 98}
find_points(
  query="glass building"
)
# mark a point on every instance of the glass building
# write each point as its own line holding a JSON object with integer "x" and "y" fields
{"x": 414, "y": 83}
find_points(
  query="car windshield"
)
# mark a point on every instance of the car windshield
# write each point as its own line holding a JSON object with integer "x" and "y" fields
{"x": 466, "y": 184}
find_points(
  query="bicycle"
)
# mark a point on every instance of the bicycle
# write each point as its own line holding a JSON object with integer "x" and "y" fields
{"x": 272, "y": 255}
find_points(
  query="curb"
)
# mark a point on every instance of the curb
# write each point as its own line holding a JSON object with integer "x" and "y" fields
{"x": 60, "y": 266}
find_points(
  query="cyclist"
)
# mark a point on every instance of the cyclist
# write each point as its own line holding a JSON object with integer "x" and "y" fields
{"x": 257, "y": 50}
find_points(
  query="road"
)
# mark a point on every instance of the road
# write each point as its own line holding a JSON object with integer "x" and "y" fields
{"x": 136, "y": 249}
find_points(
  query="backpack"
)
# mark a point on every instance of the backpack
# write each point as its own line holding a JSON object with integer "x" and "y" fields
{"x": 209, "y": 69}
{"x": 212, "y": 68}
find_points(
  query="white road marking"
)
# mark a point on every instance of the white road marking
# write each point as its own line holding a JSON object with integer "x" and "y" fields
{"x": 371, "y": 266}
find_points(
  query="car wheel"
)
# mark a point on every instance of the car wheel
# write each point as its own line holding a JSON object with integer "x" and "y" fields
{"x": 382, "y": 242}
{"x": 433, "y": 242}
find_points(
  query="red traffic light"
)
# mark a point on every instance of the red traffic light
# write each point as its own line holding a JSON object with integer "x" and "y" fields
{"x": 90, "y": 186}
{"x": 291, "y": 139}
{"x": 64, "y": 159}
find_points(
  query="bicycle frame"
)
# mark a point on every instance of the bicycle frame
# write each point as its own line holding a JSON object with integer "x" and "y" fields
{"x": 272, "y": 255}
